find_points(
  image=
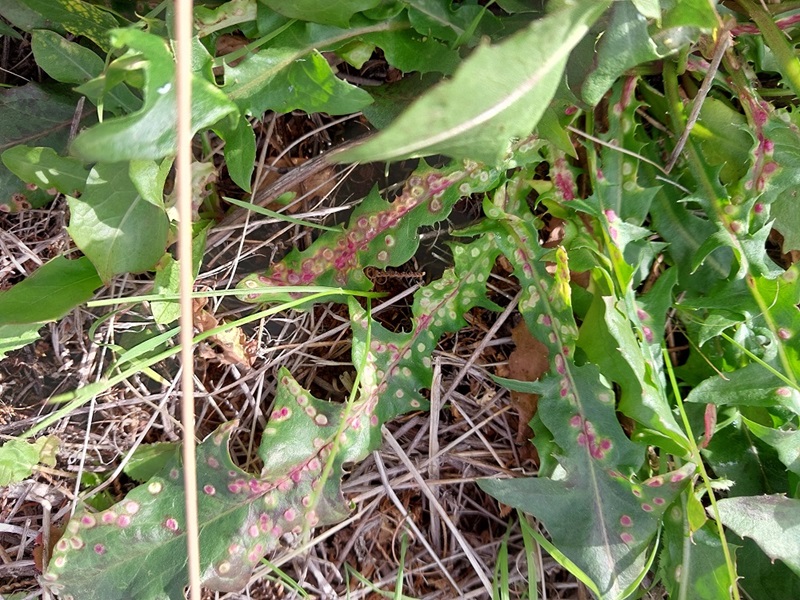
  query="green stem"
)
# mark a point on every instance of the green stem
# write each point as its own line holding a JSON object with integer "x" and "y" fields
{"x": 698, "y": 460}
{"x": 760, "y": 361}
{"x": 711, "y": 190}
{"x": 788, "y": 64}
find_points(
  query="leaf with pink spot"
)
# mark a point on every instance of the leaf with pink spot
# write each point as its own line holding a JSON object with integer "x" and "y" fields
{"x": 378, "y": 234}
{"x": 595, "y": 512}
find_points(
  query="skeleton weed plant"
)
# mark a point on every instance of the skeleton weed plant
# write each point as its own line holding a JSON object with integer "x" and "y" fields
{"x": 659, "y": 466}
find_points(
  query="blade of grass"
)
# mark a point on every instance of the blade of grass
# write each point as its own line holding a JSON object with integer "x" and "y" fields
{"x": 500, "y": 584}
{"x": 280, "y": 217}
{"x": 289, "y": 289}
{"x": 531, "y": 553}
{"x": 83, "y": 395}
{"x": 698, "y": 460}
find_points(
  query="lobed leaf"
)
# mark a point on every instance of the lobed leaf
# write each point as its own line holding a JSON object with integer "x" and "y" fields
{"x": 136, "y": 549}
{"x": 598, "y": 516}
{"x": 150, "y": 132}
{"x": 379, "y": 233}
{"x": 285, "y": 79}
{"x": 18, "y": 457}
{"x": 773, "y": 522}
{"x": 615, "y": 184}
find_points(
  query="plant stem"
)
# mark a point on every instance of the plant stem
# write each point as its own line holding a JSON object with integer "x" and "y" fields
{"x": 703, "y": 474}
{"x": 788, "y": 64}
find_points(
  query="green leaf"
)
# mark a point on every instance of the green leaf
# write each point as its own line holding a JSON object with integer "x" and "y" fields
{"x": 752, "y": 385}
{"x": 77, "y": 17}
{"x": 689, "y": 13}
{"x": 208, "y": 20}
{"x": 21, "y": 16}
{"x": 240, "y": 148}
{"x": 390, "y": 100}
{"x": 773, "y": 522}
{"x": 284, "y": 79}
{"x": 149, "y": 178}
{"x": 498, "y": 93}
{"x": 148, "y": 460}
{"x": 632, "y": 367}
{"x": 64, "y": 61}
{"x": 18, "y": 457}
{"x": 601, "y": 520}
{"x": 686, "y": 232}
{"x": 13, "y": 337}
{"x": 786, "y": 443}
{"x": 36, "y": 115}
{"x": 787, "y": 221}
{"x": 781, "y": 184}
{"x": 150, "y": 132}
{"x": 168, "y": 280}
{"x": 52, "y": 291}
{"x": 330, "y": 12}
{"x": 735, "y": 454}
{"x": 625, "y": 43}
{"x": 723, "y": 136}
{"x": 648, "y": 8}
{"x": 115, "y": 226}
{"x": 616, "y": 184}
{"x": 8, "y": 31}
{"x": 69, "y": 62}
{"x": 439, "y": 19}
{"x": 379, "y": 233}
{"x": 762, "y": 578}
{"x": 45, "y": 169}
{"x": 597, "y": 515}
{"x": 137, "y": 548}
{"x": 692, "y": 564}
{"x": 409, "y": 51}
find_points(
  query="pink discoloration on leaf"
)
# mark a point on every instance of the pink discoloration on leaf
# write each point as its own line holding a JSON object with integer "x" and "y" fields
{"x": 563, "y": 180}
{"x": 88, "y": 521}
{"x": 709, "y": 424}
{"x": 626, "y": 537}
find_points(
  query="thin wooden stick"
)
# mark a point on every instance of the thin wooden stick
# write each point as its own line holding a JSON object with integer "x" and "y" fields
{"x": 722, "y": 45}
{"x": 183, "y": 54}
